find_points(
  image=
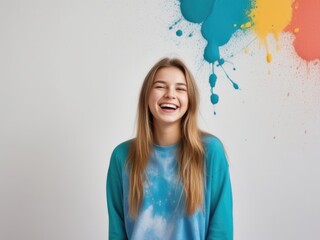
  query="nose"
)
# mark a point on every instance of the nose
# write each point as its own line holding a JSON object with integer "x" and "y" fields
{"x": 170, "y": 93}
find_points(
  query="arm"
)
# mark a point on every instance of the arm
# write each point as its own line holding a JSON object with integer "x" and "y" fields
{"x": 221, "y": 212}
{"x": 115, "y": 200}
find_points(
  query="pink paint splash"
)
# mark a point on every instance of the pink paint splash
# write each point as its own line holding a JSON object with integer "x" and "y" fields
{"x": 305, "y": 25}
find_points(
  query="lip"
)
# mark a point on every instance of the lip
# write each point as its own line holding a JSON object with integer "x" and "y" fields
{"x": 169, "y": 103}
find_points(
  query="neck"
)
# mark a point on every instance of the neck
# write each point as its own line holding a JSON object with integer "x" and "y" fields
{"x": 167, "y": 135}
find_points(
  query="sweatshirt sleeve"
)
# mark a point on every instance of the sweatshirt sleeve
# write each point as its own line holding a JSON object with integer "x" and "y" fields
{"x": 115, "y": 199}
{"x": 221, "y": 213}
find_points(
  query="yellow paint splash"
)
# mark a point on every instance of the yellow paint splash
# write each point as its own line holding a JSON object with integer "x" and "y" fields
{"x": 270, "y": 17}
{"x": 246, "y": 25}
{"x": 269, "y": 57}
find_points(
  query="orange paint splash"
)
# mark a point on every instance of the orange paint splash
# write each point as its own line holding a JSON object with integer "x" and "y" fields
{"x": 306, "y": 18}
{"x": 270, "y": 17}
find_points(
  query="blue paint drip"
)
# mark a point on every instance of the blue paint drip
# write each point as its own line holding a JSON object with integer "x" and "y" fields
{"x": 235, "y": 86}
{"x": 218, "y": 27}
{"x": 220, "y": 61}
{"x": 220, "y": 20}
{"x": 214, "y": 98}
{"x": 175, "y": 23}
{"x": 179, "y": 33}
{"x": 212, "y": 80}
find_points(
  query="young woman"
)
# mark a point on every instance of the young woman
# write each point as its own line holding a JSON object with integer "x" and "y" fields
{"x": 172, "y": 180}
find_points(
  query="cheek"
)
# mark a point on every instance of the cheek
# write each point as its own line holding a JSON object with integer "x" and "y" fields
{"x": 152, "y": 100}
{"x": 154, "y": 97}
{"x": 185, "y": 100}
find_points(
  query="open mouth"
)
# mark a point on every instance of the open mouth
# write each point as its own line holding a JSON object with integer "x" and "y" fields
{"x": 168, "y": 106}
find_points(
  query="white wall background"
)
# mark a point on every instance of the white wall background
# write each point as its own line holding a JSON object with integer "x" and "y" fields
{"x": 70, "y": 74}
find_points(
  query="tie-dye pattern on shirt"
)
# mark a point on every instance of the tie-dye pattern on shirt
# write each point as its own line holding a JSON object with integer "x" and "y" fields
{"x": 162, "y": 212}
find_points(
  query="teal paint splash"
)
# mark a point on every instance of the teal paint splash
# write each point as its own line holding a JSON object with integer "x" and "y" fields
{"x": 196, "y": 11}
{"x": 223, "y": 21}
{"x": 175, "y": 23}
{"x": 179, "y": 33}
{"x": 219, "y": 20}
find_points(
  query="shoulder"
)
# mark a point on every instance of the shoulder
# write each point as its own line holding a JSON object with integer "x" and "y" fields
{"x": 212, "y": 143}
{"x": 120, "y": 154}
{"x": 215, "y": 155}
{"x": 122, "y": 149}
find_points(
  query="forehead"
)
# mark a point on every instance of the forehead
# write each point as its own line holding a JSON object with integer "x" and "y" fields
{"x": 170, "y": 75}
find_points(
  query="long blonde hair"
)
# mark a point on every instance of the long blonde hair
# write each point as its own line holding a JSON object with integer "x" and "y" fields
{"x": 190, "y": 151}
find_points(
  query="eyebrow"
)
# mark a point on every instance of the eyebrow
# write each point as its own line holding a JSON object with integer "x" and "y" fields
{"x": 163, "y": 82}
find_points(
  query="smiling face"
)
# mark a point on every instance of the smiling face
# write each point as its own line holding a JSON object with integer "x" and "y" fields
{"x": 168, "y": 99}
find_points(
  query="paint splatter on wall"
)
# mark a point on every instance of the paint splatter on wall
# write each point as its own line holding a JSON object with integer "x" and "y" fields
{"x": 221, "y": 19}
{"x": 270, "y": 17}
{"x": 305, "y": 25}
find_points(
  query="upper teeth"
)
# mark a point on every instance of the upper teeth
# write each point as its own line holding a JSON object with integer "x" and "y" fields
{"x": 168, "y": 105}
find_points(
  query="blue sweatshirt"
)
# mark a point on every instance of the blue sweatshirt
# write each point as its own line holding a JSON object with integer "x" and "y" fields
{"x": 162, "y": 215}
